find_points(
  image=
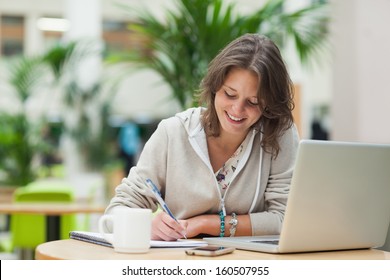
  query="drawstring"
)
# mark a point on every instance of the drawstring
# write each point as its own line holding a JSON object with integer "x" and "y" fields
{"x": 223, "y": 206}
{"x": 222, "y": 201}
{"x": 258, "y": 178}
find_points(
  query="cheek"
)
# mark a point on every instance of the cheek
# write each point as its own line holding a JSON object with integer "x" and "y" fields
{"x": 256, "y": 114}
{"x": 219, "y": 101}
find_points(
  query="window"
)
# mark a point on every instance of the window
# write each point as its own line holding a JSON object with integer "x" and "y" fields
{"x": 118, "y": 37}
{"x": 12, "y": 35}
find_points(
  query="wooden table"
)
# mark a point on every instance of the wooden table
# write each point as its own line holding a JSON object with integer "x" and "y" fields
{"x": 52, "y": 211}
{"x": 70, "y": 249}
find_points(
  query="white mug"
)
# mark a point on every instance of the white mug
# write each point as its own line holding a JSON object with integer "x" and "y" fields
{"x": 131, "y": 229}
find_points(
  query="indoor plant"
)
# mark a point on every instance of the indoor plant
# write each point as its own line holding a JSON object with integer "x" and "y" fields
{"x": 23, "y": 142}
{"x": 180, "y": 46}
{"x": 20, "y": 138}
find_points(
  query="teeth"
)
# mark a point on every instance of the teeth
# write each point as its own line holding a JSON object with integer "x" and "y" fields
{"x": 234, "y": 118}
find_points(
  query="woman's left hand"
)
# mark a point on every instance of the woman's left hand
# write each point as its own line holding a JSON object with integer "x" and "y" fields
{"x": 203, "y": 224}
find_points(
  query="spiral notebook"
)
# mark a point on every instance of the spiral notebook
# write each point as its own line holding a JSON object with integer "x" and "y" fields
{"x": 97, "y": 238}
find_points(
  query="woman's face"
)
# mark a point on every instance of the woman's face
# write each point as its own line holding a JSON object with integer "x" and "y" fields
{"x": 236, "y": 102}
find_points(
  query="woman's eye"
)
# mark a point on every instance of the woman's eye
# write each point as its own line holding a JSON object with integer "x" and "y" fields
{"x": 253, "y": 102}
{"x": 229, "y": 95}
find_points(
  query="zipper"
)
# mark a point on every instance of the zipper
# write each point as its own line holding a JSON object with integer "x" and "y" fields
{"x": 195, "y": 145}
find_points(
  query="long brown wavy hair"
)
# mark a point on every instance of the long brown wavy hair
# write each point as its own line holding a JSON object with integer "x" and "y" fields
{"x": 260, "y": 55}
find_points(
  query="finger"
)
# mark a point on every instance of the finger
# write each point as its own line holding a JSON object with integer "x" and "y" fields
{"x": 176, "y": 228}
{"x": 184, "y": 225}
{"x": 160, "y": 235}
{"x": 165, "y": 228}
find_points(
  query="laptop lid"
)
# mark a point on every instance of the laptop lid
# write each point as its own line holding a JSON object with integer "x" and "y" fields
{"x": 339, "y": 199}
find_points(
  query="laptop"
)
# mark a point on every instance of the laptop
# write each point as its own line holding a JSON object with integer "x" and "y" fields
{"x": 339, "y": 199}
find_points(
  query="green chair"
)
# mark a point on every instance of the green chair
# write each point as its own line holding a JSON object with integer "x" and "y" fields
{"x": 29, "y": 230}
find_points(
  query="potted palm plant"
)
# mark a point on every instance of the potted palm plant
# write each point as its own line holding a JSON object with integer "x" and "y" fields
{"x": 19, "y": 136}
{"x": 91, "y": 132}
{"x": 22, "y": 140}
{"x": 180, "y": 46}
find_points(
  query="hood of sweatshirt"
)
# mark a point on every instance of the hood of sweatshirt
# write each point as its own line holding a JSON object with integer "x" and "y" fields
{"x": 190, "y": 119}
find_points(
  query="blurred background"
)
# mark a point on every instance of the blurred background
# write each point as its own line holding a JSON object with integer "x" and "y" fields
{"x": 83, "y": 84}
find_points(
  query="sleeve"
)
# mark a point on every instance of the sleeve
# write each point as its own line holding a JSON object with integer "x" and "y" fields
{"x": 133, "y": 191}
{"x": 278, "y": 186}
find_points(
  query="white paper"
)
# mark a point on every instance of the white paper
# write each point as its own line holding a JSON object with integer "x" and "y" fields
{"x": 97, "y": 238}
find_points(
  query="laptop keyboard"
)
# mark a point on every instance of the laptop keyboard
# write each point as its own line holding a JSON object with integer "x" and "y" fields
{"x": 273, "y": 242}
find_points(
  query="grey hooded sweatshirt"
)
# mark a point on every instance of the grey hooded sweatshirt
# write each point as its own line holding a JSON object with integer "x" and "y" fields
{"x": 176, "y": 159}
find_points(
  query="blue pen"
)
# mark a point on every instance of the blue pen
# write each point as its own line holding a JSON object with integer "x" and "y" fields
{"x": 157, "y": 194}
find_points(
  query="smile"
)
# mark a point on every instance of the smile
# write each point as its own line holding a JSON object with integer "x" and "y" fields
{"x": 234, "y": 118}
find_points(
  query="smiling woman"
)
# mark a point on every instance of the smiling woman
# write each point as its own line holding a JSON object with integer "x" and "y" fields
{"x": 233, "y": 158}
{"x": 237, "y": 108}
{"x": 251, "y": 67}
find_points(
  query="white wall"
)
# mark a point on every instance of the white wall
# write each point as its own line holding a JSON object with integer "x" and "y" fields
{"x": 361, "y": 91}
{"x": 143, "y": 95}
{"x": 313, "y": 79}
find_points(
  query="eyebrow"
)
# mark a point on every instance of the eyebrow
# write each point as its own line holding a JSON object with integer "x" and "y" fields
{"x": 236, "y": 91}
{"x": 230, "y": 87}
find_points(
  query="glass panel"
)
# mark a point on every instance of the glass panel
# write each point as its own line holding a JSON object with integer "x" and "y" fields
{"x": 12, "y": 35}
{"x": 11, "y": 47}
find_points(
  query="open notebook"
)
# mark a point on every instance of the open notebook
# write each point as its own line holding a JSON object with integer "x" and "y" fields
{"x": 97, "y": 238}
{"x": 339, "y": 199}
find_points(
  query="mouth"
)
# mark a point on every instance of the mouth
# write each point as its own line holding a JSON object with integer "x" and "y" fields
{"x": 233, "y": 118}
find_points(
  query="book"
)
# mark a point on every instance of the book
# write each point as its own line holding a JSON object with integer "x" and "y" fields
{"x": 97, "y": 238}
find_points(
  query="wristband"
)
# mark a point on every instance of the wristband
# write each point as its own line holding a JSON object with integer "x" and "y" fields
{"x": 233, "y": 224}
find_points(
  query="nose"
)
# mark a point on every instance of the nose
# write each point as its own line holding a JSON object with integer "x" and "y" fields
{"x": 238, "y": 106}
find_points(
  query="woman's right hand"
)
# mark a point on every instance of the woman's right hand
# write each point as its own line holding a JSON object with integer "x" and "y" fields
{"x": 167, "y": 229}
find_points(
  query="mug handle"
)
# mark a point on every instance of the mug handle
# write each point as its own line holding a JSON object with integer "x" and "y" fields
{"x": 102, "y": 222}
